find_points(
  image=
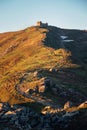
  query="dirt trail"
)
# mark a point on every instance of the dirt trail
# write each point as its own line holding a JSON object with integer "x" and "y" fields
{"x": 38, "y": 98}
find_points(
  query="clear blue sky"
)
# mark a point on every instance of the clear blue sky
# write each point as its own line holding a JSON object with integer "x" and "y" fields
{"x": 19, "y": 14}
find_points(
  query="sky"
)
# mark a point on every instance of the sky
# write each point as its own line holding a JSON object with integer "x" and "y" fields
{"x": 20, "y": 14}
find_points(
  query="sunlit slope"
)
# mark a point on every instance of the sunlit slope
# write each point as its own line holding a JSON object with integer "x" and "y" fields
{"x": 33, "y": 49}
{"x": 26, "y": 49}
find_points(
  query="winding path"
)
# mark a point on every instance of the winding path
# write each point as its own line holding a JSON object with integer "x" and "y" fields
{"x": 38, "y": 98}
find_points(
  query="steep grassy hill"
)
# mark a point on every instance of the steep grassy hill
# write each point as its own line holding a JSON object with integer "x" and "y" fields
{"x": 59, "y": 55}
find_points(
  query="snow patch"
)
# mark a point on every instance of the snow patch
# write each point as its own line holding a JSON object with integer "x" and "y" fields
{"x": 64, "y": 37}
{"x": 68, "y": 40}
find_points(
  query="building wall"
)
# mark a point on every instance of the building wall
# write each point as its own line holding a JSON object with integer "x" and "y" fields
{"x": 39, "y": 23}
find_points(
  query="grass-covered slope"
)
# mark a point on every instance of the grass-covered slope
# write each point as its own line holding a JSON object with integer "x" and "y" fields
{"x": 44, "y": 50}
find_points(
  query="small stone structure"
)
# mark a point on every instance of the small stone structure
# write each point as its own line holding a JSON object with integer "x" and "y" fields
{"x": 40, "y": 24}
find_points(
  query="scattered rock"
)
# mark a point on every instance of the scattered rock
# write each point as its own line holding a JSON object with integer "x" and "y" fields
{"x": 23, "y": 118}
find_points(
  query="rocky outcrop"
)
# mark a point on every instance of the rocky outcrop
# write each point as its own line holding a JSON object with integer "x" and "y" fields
{"x": 18, "y": 117}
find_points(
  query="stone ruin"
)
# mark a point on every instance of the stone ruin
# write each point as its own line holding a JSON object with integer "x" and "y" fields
{"x": 40, "y": 24}
{"x": 41, "y": 87}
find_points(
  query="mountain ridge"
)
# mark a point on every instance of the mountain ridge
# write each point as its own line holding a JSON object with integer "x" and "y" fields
{"x": 43, "y": 80}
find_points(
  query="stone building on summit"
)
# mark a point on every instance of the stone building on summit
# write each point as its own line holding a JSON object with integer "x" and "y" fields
{"x": 40, "y": 24}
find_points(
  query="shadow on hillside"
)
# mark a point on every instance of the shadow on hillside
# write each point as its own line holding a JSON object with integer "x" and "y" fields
{"x": 53, "y": 37}
{"x": 77, "y": 47}
{"x": 67, "y": 84}
{"x": 73, "y": 77}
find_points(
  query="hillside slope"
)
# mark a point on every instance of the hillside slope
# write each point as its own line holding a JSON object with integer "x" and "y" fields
{"x": 31, "y": 57}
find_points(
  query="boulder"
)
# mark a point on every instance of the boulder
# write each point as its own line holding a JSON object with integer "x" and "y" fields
{"x": 67, "y": 105}
{"x": 35, "y": 74}
{"x": 4, "y": 106}
{"x": 50, "y": 69}
{"x": 83, "y": 105}
{"x": 1, "y": 106}
{"x": 41, "y": 89}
